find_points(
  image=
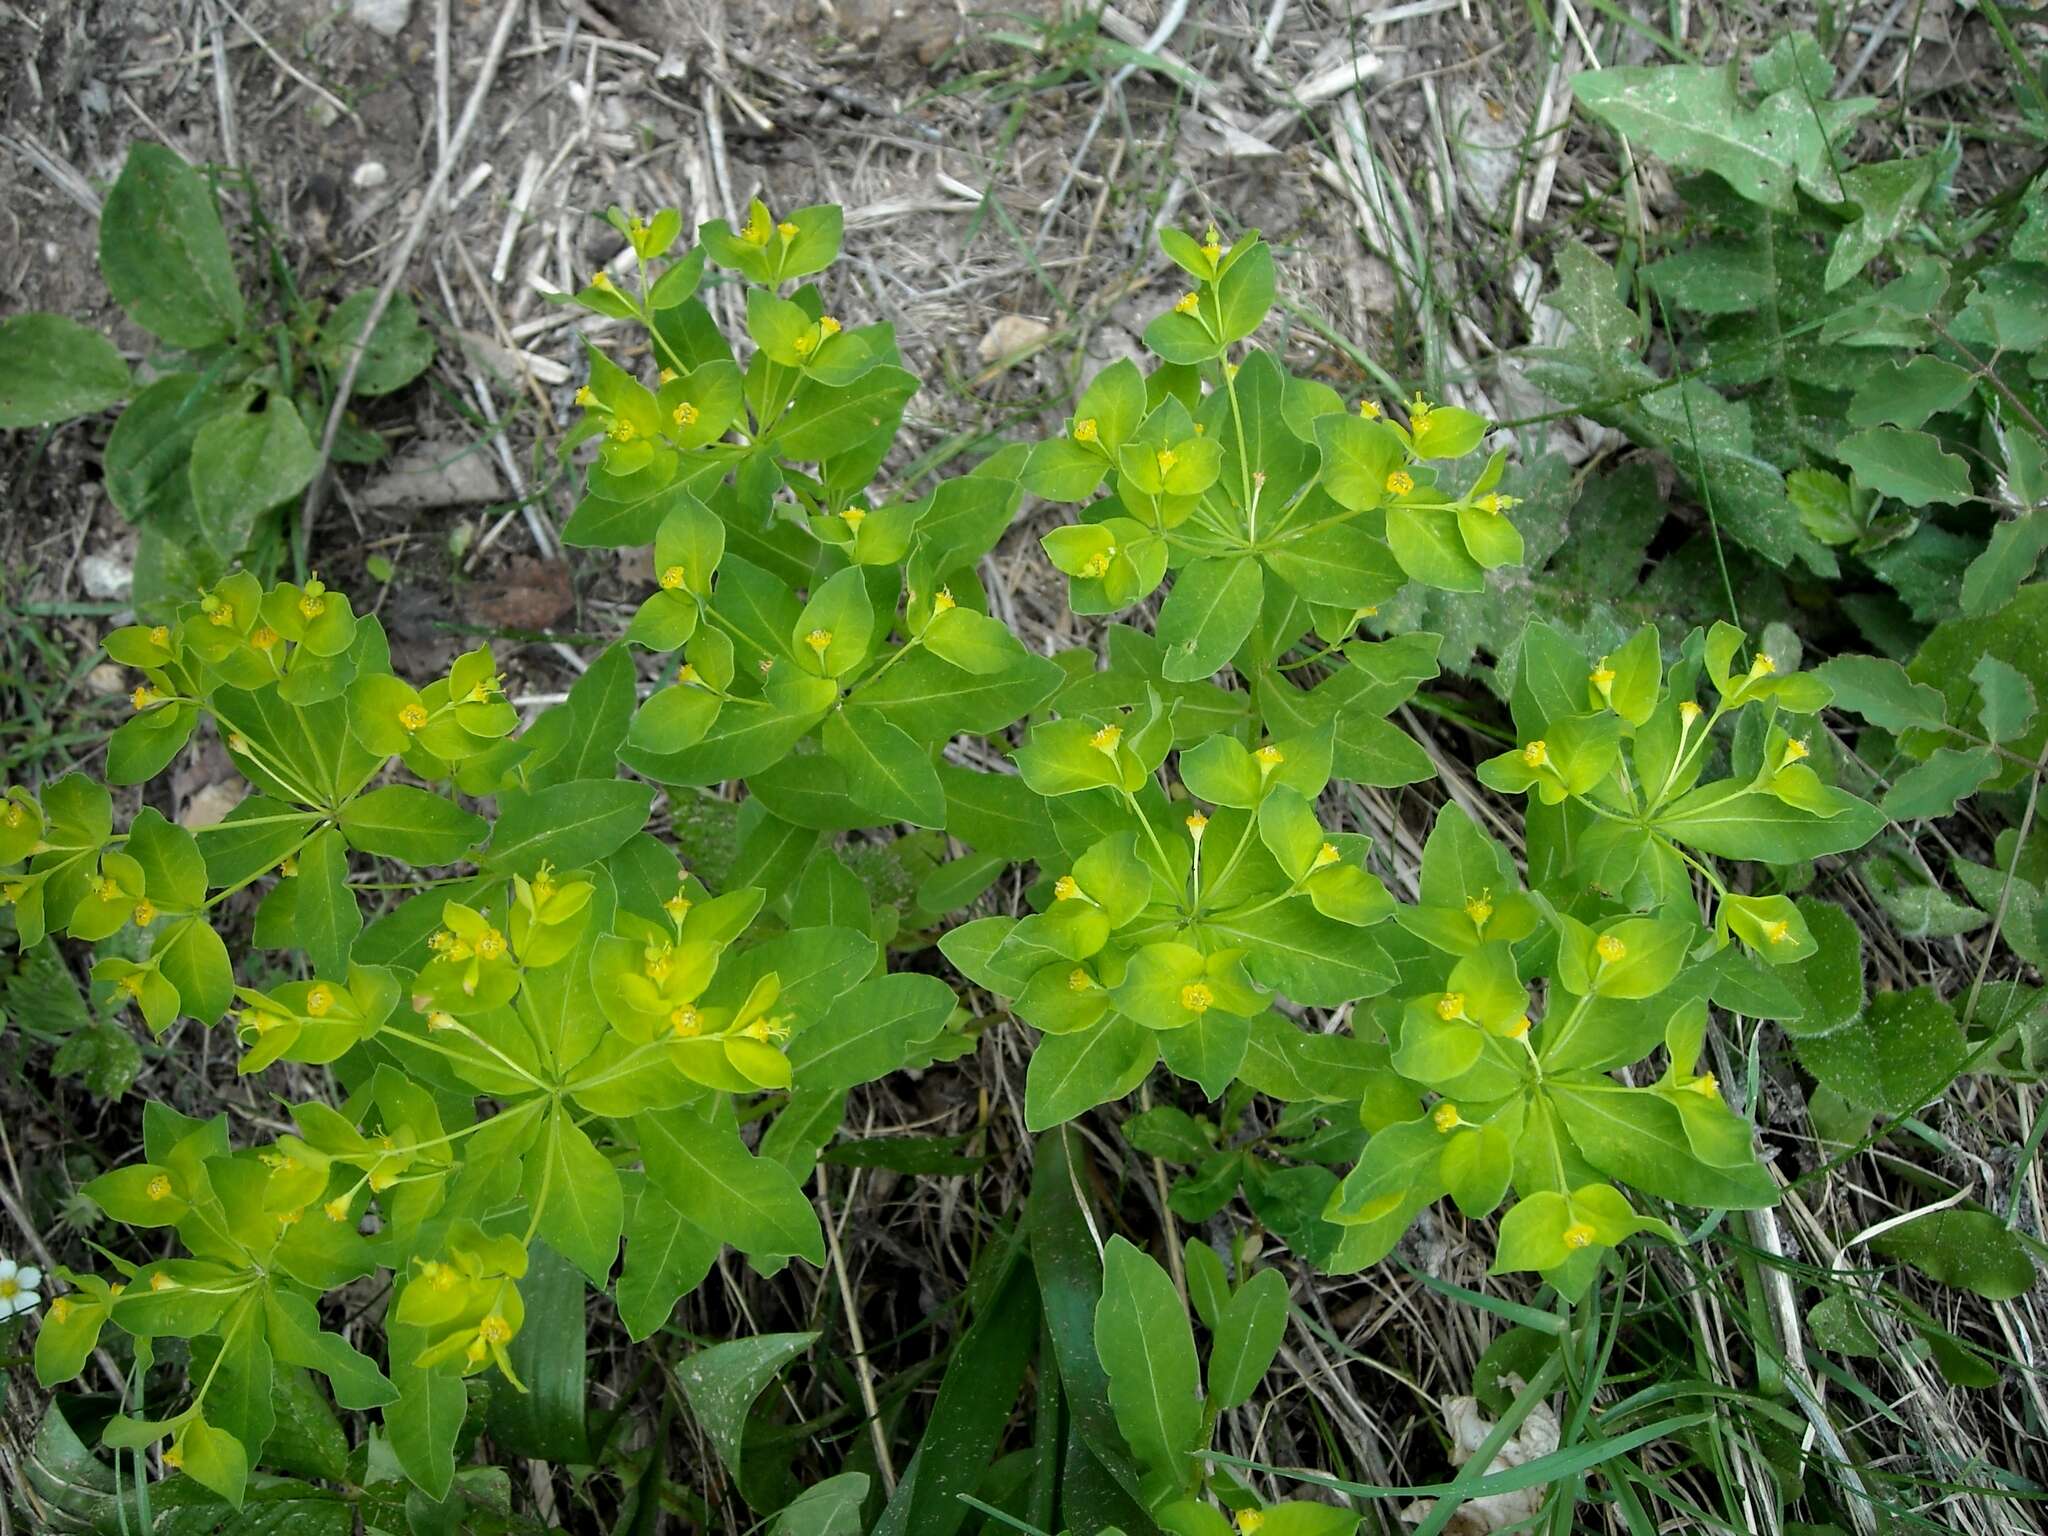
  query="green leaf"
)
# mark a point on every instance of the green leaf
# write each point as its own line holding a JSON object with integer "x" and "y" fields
{"x": 1071, "y": 1074}
{"x": 1903, "y": 1051}
{"x": 871, "y": 1031}
{"x": 721, "y": 1383}
{"x": 830, "y": 1508}
{"x": 887, "y": 772}
{"x": 1145, "y": 1344}
{"x": 415, "y": 826}
{"x": 1736, "y": 822}
{"x": 1967, "y": 1250}
{"x": 1207, "y": 615}
{"x": 397, "y": 352}
{"x": 52, "y": 369}
{"x": 1637, "y": 1136}
{"x": 1908, "y": 466}
{"x": 705, "y": 1173}
{"x": 243, "y": 464}
{"x": 1905, "y": 395}
{"x": 163, "y": 253}
{"x": 2008, "y": 699}
{"x": 1932, "y": 788}
{"x": 1880, "y": 691}
{"x": 667, "y": 1257}
{"x": 548, "y": 1354}
{"x": 571, "y": 824}
{"x": 1358, "y": 455}
{"x": 575, "y": 1194}
{"x": 1247, "y": 1336}
{"x": 1430, "y": 546}
{"x": 327, "y": 917}
{"x": 1694, "y": 118}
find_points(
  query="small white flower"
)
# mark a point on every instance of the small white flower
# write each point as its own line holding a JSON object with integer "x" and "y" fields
{"x": 20, "y": 1287}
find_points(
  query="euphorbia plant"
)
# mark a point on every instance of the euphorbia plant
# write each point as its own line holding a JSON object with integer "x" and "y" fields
{"x": 550, "y": 1038}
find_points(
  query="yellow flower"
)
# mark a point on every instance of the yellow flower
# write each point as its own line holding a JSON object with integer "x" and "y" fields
{"x": 1268, "y": 758}
{"x": 1370, "y": 410}
{"x": 1763, "y": 666}
{"x": 672, "y": 579}
{"x": 1445, "y": 1117}
{"x": 1536, "y": 754}
{"x": 585, "y": 396}
{"x": 1196, "y": 997}
{"x": 60, "y": 1310}
{"x": 1250, "y": 1522}
{"x": 1479, "y": 909}
{"x": 677, "y": 906}
{"x": 160, "y": 637}
{"x": 1327, "y": 854}
{"x": 786, "y": 229}
{"x": 1212, "y": 246}
{"x": 143, "y": 697}
{"x": 1779, "y": 932}
{"x": 668, "y": 375}
{"x": 1496, "y": 503}
{"x": 1197, "y": 825}
{"x": 602, "y": 282}
{"x": 491, "y": 945}
{"x": 1066, "y": 888}
{"x": 159, "y": 1187}
{"x": 312, "y": 601}
{"x": 337, "y": 1208}
{"x": 106, "y": 888}
{"x": 686, "y": 1022}
{"x": 854, "y": 517}
{"x": 1578, "y": 1235}
{"x": 686, "y": 674}
{"x": 263, "y": 637}
{"x": 162, "y": 1282}
{"x": 1187, "y": 303}
{"x": 1451, "y": 1006}
{"x": 1166, "y": 458}
{"x": 818, "y": 639}
{"x": 1519, "y": 1028}
{"x": 1084, "y": 430}
{"x": 174, "y": 1458}
{"x": 1609, "y": 948}
{"x": 438, "y": 1275}
{"x": 1106, "y": 739}
{"x": 1418, "y": 411}
{"x": 222, "y": 615}
{"x": 1705, "y": 1086}
{"x": 494, "y": 1330}
{"x": 1687, "y": 713}
{"x": 942, "y": 601}
{"x": 622, "y": 431}
{"x": 413, "y": 716}
{"x": 804, "y": 343}
{"x": 756, "y": 231}
{"x": 1602, "y": 676}
{"x": 1795, "y": 749}
{"x": 1400, "y": 483}
{"x": 319, "y": 1000}
{"x": 827, "y": 327}
{"x": 1079, "y": 980}
{"x": 766, "y": 1030}
{"x": 439, "y": 1019}
{"x": 684, "y": 415}
{"x": 1097, "y": 564}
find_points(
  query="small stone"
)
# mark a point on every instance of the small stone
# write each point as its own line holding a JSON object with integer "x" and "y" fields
{"x": 211, "y": 805}
{"x": 107, "y": 679}
{"x": 106, "y": 578}
{"x": 1010, "y": 336}
{"x": 369, "y": 174}
{"x": 387, "y": 18}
